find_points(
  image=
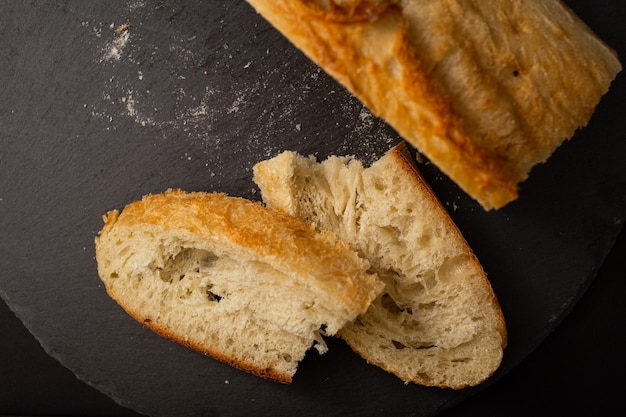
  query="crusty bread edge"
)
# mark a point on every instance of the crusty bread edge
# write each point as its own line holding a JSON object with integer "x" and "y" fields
{"x": 404, "y": 158}
{"x": 442, "y": 138}
{"x": 165, "y": 332}
{"x": 421, "y": 113}
{"x": 401, "y": 155}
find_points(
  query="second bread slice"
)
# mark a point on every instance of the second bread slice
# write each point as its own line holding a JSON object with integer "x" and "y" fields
{"x": 438, "y": 321}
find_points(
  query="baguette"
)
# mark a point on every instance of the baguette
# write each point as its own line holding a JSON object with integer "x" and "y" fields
{"x": 227, "y": 277}
{"x": 485, "y": 89}
{"x": 438, "y": 321}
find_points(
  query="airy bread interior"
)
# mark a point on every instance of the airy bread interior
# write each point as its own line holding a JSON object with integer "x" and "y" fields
{"x": 438, "y": 321}
{"x": 227, "y": 277}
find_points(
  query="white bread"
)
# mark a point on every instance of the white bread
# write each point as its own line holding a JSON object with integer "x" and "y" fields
{"x": 230, "y": 278}
{"x": 485, "y": 89}
{"x": 438, "y": 321}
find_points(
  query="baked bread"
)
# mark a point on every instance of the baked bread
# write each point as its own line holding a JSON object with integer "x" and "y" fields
{"x": 250, "y": 286}
{"x": 438, "y": 321}
{"x": 485, "y": 90}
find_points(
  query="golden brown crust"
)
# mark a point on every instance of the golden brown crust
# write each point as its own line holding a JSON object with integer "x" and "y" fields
{"x": 319, "y": 264}
{"x": 510, "y": 112}
{"x": 283, "y": 238}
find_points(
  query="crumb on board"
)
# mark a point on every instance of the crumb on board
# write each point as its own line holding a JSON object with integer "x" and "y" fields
{"x": 122, "y": 28}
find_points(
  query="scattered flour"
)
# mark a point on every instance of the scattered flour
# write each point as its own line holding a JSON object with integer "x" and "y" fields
{"x": 127, "y": 92}
{"x": 193, "y": 111}
{"x": 131, "y": 108}
{"x": 134, "y": 5}
{"x": 113, "y": 50}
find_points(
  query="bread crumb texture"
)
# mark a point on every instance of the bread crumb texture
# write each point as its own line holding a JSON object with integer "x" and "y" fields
{"x": 250, "y": 286}
{"x": 438, "y": 321}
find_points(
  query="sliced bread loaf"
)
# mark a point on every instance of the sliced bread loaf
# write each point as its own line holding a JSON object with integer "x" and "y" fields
{"x": 438, "y": 321}
{"x": 248, "y": 285}
{"x": 485, "y": 89}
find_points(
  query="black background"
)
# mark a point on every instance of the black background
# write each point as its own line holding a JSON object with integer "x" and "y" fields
{"x": 577, "y": 371}
{"x": 91, "y": 120}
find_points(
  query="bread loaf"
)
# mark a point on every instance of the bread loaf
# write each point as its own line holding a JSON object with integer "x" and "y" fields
{"x": 250, "y": 286}
{"x": 485, "y": 89}
{"x": 438, "y": 321}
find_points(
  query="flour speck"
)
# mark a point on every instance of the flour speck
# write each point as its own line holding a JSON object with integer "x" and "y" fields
{"x": 113, "y": 50}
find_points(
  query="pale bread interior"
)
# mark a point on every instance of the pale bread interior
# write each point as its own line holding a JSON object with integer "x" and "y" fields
{"x": 232, "y": 299}
{"x": 438, "y": 321}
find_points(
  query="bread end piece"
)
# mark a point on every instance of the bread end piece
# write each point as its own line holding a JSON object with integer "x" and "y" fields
{"x": 229, "y": 278}
{"x": 485, "y": 90}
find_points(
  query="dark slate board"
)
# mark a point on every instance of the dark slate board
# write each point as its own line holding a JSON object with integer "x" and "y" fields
{"x": 191, "y": 96}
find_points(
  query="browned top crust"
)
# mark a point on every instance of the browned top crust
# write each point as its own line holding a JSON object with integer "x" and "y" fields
{"x": 283, "y": 240}
{"x": 486, "y": 90}
{"x": 277, "y": 279}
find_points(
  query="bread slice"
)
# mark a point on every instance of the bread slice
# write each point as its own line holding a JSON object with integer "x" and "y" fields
{"x": 438, "y": 321}
{"x": 250, "y": 286}
{"x": 485, "y": 89}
